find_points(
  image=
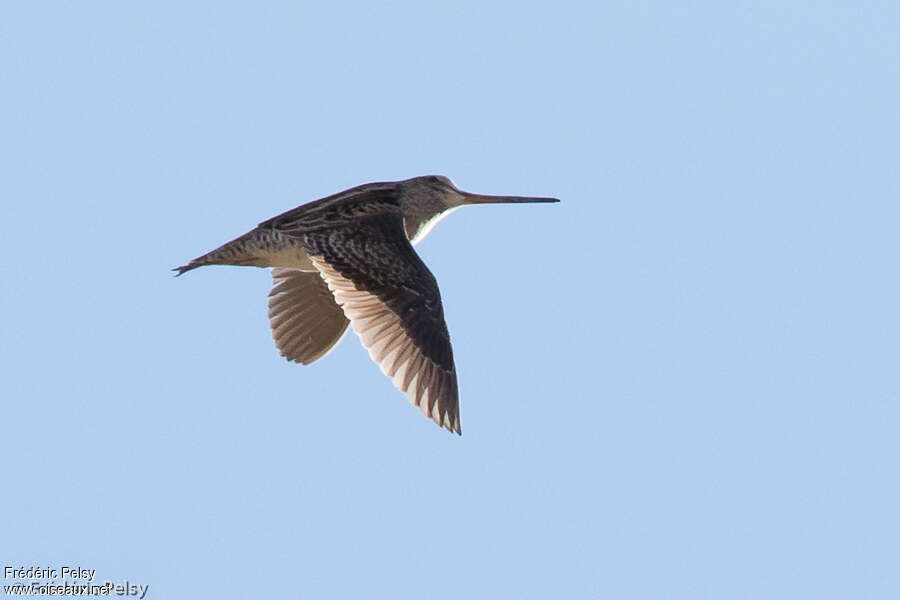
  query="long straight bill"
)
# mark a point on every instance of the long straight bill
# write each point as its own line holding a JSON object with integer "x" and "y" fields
{"x": 488, "y": 199}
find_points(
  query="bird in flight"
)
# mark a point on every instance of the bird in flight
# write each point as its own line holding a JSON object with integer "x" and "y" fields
{"x": 349, "y": 259}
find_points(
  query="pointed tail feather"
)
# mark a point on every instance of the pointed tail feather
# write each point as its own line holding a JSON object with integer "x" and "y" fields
{"x": 238, "y": 252}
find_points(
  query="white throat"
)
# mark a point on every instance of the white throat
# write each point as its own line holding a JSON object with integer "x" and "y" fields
{"x": 426, "y": 226}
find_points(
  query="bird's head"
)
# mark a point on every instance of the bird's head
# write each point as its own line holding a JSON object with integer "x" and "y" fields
{"x": 424, "y": 200}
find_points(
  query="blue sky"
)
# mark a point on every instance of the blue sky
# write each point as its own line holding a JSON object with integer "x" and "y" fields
{"x": 680, "y": 382}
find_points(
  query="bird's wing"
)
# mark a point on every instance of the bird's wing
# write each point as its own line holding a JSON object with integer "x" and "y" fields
{"x": 393, "y": 303}
{"x": 306, "y": 322}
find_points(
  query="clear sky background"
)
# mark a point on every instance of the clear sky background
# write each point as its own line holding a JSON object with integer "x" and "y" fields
{"x": 683, "y": 381}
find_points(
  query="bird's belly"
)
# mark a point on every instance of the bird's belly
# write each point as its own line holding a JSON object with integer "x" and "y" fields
{"x": 271, "y": 248}
{"x": 293, "y": 257}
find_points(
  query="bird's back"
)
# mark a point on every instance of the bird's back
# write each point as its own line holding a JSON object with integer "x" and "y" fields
{"x": 337, "y": 209}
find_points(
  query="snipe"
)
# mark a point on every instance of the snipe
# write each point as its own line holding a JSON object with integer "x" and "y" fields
{"x": 348, "y": 259}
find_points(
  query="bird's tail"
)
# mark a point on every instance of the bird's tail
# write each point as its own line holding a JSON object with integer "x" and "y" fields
{"x": 238, "y": 251}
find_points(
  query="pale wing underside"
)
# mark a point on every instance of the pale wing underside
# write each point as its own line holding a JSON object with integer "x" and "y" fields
{"x": 306, "y": 322}
{"x": 426, "y": 384}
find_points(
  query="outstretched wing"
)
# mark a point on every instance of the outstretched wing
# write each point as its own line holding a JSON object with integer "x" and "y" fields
{"x": 394, "y": 305}
{"x": 306, "y": 322}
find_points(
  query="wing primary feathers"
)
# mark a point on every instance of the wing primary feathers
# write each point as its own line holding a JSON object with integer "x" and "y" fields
{"x": 393, "y": 304}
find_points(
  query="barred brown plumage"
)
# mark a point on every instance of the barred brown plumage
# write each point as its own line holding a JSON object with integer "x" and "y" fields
{"x": 349, "y": 259}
